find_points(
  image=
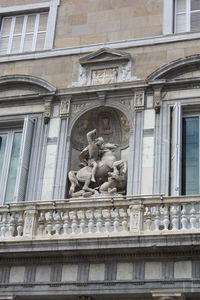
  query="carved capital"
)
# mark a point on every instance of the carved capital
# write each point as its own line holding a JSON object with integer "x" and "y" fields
{"x": 65, "y": 106}
{"x": 139, "y": 100}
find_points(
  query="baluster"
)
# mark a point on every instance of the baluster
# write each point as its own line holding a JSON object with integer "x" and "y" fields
{"x": 174, "y": 212}
{"x": 166, "y": 217}
{"x": 58, "y": 222}
{"x": 123, "y": 214}
{"x": 74, "y": 224}
{"x": 41, "y": 222}
{"x": 106, "y": 215}
{"x": 49, "y": 219}
{"x": 4, "y": 225}
{"x": 97, "y": 214}
{"x": 184, "y": 220}
{"x": 148, "y": 216}
{"x": 193, "y": 217}
{"x": 20, "y": 225}
{"x": 116, "y": 222}
{"x": 90, "y": 217}
{"x": 157, "y": 217}
{"x": 66, "y": 225}
{"x": 81, "y": 217}
{"x": 11, "y": 225}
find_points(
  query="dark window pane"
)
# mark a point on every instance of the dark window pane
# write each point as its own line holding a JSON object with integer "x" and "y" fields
{"x": 14, "y": 162}
{"x": 190, "y": 156}
{"x": 195, "y": 21}
{"x": 195, "y": 5}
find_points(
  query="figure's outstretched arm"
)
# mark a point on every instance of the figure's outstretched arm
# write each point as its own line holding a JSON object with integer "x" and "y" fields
{"x": 91, "y": 135}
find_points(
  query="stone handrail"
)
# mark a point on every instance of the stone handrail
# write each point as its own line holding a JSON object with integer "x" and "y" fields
{"x": 112, "y": 216}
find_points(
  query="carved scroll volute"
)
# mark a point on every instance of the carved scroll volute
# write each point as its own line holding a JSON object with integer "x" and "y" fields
{"x": 65, "y": 106}
{"x": 47, "y": 108}
{"x": 139, "y": 99}
{"x": 157, "y": 98}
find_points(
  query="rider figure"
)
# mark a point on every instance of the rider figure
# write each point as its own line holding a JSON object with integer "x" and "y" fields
{"x": 94, "y": 152}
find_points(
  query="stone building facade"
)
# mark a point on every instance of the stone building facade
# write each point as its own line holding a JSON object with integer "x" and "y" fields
{"x": 130, "y": 69}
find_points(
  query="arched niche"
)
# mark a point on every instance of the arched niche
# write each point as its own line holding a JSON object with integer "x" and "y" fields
{"x": 110, "y": 123}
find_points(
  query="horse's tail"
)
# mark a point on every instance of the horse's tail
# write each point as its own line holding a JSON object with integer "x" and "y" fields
{"x": 73, "y": 180}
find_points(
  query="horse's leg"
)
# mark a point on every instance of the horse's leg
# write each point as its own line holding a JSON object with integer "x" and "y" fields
{"x": 116, "y": 165}
{"x": 86, "y": 187}
{"x": 94, "y": 169}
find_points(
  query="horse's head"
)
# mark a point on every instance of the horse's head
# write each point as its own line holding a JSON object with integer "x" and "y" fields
{"x": 110, "y": 146}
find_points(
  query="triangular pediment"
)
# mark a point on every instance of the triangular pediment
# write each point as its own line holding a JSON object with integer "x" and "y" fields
{"x": 105, "y": 55}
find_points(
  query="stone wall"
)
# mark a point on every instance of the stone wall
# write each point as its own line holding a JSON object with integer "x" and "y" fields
{"x": 63, "y": 71}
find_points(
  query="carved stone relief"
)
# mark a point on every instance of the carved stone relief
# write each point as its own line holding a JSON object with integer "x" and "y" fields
{"x": 139, "y": 100}
{"x": 104, "y": 76}
{"x": 65, "y": 106}
{"x": 77, "y": 107}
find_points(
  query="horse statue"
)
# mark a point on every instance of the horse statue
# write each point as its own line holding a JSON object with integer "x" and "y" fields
{"x": 98, "y": 161}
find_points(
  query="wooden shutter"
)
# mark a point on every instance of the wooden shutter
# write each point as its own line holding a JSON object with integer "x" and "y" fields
{"x": 24, "y": 159}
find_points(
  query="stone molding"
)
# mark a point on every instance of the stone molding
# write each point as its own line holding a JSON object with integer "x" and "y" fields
{"x": 28, "y": 80}
{"x": 168, "y": 295}
{"x": 175, "y": 68}
{"x": 162, "y": 39}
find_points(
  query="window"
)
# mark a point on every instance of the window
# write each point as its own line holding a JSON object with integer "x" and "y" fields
{"x": 190, "y": 155}
{"x": 15, "y": 148}
{"x": 29, "y": 27}
{"x": 187, "y": 15}
{"x": 23, "y": 33}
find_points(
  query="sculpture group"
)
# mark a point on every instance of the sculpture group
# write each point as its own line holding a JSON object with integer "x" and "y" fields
{"x": 100, "y": 172}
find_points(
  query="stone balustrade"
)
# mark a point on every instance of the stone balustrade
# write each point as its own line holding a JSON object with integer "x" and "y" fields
{"x": 100, "y": 217}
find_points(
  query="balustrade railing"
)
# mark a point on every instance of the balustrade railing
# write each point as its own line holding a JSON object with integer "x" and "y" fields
{"x": 100, "y": 217}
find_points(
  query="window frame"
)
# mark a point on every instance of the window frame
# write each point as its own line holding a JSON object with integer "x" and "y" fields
{"x": 178, "y": 111}
{"x": 169, "y": 17}
{"x": 36, "y": 8}
{"x": 25, "y": 125}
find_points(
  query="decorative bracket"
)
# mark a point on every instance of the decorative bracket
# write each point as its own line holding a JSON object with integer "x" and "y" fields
{"x": 65, "y": 106}
{"x": 102, "y": 97}
{"x": 157, "y": 98}
{"x": 47, "y": 108}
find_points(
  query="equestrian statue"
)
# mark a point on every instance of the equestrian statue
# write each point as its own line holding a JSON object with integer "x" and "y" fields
{"x": 100, "y": 172}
